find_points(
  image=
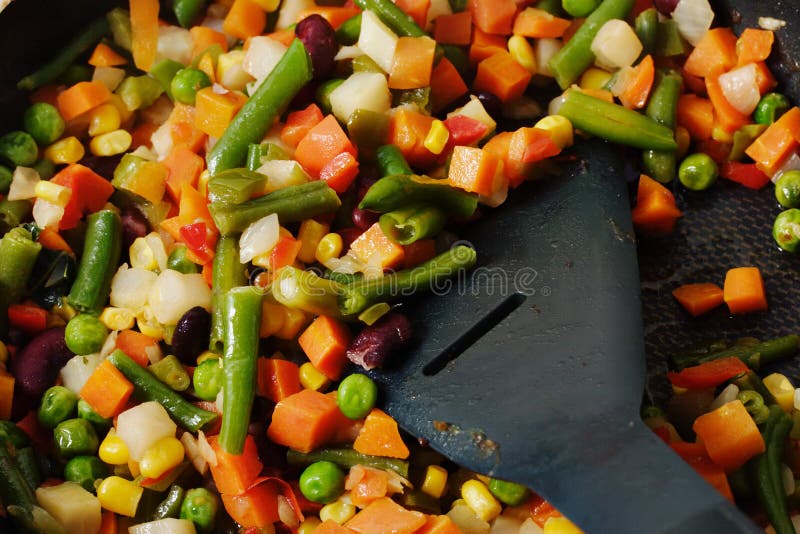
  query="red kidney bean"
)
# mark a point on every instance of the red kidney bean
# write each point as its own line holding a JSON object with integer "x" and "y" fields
{"x": 665, "y": 7}
{"x": 319, "y": 38}
{"x": 190, "y": 337}
{"x": 375, "y": 344}
{"x": 491, "y": 104}
{"x": 363, "y": 219}
{"x": 134, "y": 224}
{"x": 36, "y": 366}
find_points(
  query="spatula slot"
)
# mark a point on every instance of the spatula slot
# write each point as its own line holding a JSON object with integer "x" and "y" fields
{"x": 475, "y": 332}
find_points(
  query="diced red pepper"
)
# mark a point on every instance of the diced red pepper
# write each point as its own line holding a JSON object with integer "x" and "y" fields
{"x": 464, "y": 130}
{"x": 90, "y": 192}
{"x": 27, "y": 317}
{"x": 194, "y": 235}
{"x": 746, "y": 174}
{"x": 284, "y": 252}
{"x": 708, "y": 374}
{"x": 340, "y": 171}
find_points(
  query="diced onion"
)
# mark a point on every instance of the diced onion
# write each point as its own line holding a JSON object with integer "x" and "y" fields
{"x": 78, "y": 370}
{"x": 46, "y": 214}
{"x": 504, "y": 524}
{"x": 792, "y": 163}
{"x": 282, "y": 173}
{"x": 725, "y": 396}
{"x": 175, "y": 43}
{"x": 110, "y": 344}
{"x": 286, "y": 513}
{"x": 348, "y": 52}
{"x": 770, "y": 23}
{"x": 740, "y": 88}
{"x": 142, "y": 426}
{"x": 169, "y": 525}
{"x": 192, "y": 447}
{"x": 206, "y": 450}
{"x": 693, "y": 18}
{"x": 544, "y": 49}
{"x": 259, "y": 238}
{"x": 130, "y": 286}
{"x": 616, "y": 45}
{"x": 174, "y": 293}
{"x": 262, "y": 55}
{"x": 23, "y": 184}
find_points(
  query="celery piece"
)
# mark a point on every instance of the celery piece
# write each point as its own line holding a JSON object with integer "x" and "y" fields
{"x": 139, "y": 91}
{"x": 743, "y": 138}
{"x": 19, "y": 253}
{"x": 120, "y": 22}
{"x": 164, "y": 71}
{"x": 367, "y": 129}
{"x": 257, "y": 154}
{"x": 235, "y": 186}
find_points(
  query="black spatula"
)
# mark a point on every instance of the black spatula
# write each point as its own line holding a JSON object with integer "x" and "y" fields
{"x": 531, "y": 367}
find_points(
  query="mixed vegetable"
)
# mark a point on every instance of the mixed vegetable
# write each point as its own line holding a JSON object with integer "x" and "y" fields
{"x": 209, "y": 211}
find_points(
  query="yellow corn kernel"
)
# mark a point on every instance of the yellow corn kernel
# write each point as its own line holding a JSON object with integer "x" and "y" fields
{"x": 202, "y": 183}
{"x": 133, "y": 468}
{"x": 310, "y": 234}
{"x": 3, "y": 353}
{"x": 113, "y": 450}
{"x": 782, "y": 389}
{"x": 721, "y": 135}
{"x": 522, "y": 52}
{"x": 683, "y": 139}
{"x": 435, "y": 481}
{"x": 162, "y": 456}
{"x": 142, "y": 255}
{"x": 273, "y": 316}
{"x": 230, "y": 73}
{"x": 124, "y": 113}
{"x": 559, "y": 128}
{"x": 310, "y": 378}
{"x": 330, "y": 246}
{"x": 294, "y": 320}
{"x": 118, "y": 318}
{"x": 480, "y": 500}
{"x": 103, "y": 119}
{"x": 437, "y": 137}
{"x": 119, "y": 495}
{"x": 594, "y": 78}
{"x": 268, "y": 5}
{"x": 148, "y": 324}
{"x": 65, "y": 151}
{"x": 561, "y": 525}
{"x": 111, "y": 143}
{"x": 53, "y": 193}
{"x": 337, "y": 511}
{"x": 309, "y": 525}
{"x": 207, "y": 355}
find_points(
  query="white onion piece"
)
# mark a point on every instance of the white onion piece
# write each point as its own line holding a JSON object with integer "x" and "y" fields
{"x": 174, "y": 293}
{"x": 46, "y": 214}
{"x": 192, "y": 448}
{"x": 616, "y": 45}
{"x": 78, "y": 370}
{"x": 142, "y": 426}
{"x": 259, "y": 238}
{"x": 23, "y": 183}
{"x": 505, "y": 525}
{"x": 740, "y": 88}
{"x": 175, "y": 43}
{"x": 282, "y": 173}
{"x": 725, "y": 396}
{"x": 529, "y": 527}
{"x": 169, "y": 525}
{"x": 544, "y": 49}
{"x": 130, "y": 286}
{"x": 792, "y": 163}
{"x": 693, "y": 18}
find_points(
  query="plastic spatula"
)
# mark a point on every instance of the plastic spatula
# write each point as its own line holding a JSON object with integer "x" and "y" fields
{"x": 531, "y": 366}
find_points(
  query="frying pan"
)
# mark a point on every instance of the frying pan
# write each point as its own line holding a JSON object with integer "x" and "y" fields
{"x": 658, "y": 492}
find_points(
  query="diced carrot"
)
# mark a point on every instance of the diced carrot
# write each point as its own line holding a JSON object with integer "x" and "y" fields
{"x": 90, "y": 192}
{"x": 764, "y": 79}
{"x": 305, "y": 421}
{"x": 502, "y": 76}
{"x": 407, "y": 131}
{"x": 234, "y": 473}
{"x": 299, "y": 123}
{"x": 245, "y": 19}
{"x": 340, "y": 172}
{"x": 694, "y": 84}
{"x": 439, "y": 524}
{"x": 455, "y": 29}
{"x": 526, "y": 147}
{"x": 538, "y": 23}
{"x": 419, "y": 251}
{"x": 108, "y": 523}
{"x": 325, "y": 343}
{"x": 499, "y": 144}
{"x": 206, "y": 64}
{"x": 637, "y": 84}
{"x": 413, "y": 61}
{"x": 655, "y": 211}
{"x": 714, "y": 54}
{"x": 473, "y": 169}
{"x": 385, "y": 515}
{"x": 698, "y": 299}
{"x": 50, "y": 239}
{"x": 80, "y": 98}
{"x": 366, "y": 484}
{"x": 105, "y": 56}
{"x": 107, "y": 390}
{"x": 284, "y": 252}
{"x": 277, "y": 379}
{"x": 329, "y": 526}
{"x": 416, "y": 9}
{"x": 285, "y": 37}
{"x": 183, "y": 167}
{"x": 744, "y": 290}
{"x": 203, "y": 37}
{"x": 336, "y": 15}
{"x": 446, "y": 85}
{"x": 144, "y": 32}
{"x": 321, "y": 144}
{"x": 137, "y": 346}
{"x": 695, "y": 455}
{"x": 380, "y": 436}
{"x": 256, "y": 507}
{"x": 696, "y": 114}
{"x": 187, "y": 134}
{"x": 485, "y": 45}
{"x": 776, "y": 143}
{"x": 753, "y": 46}
{"x": 727, "y": 117}
{"x": 29, "y": 318}
{"x": 215, "y": 111}
{"x": 375, "y": 249}
{"x": 6, "y": 395}
{"x": 493, "y": 16}
{"x": 648, "y": 187}
{"x": 729, "y": 435}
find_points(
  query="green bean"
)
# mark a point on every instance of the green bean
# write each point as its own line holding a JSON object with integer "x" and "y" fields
{"x": 394, "y": 17}
{"x": 171, "y": 505}
{"x": 698, "y": 172}
{"x": 235, "y": 186}
{"x": 668, "y": 40}
{"x": 614, "y": 122}
{"x": 14, "y": 490}
{"x": 786, "y": 229}
{"x": 149, "y": 388}
{"x": 646, "y": 25}
{"x": 580, "y": 8}
{"x": 770, "y": 107}
{"x": 766, "y": 471}
{"x": 360, "y": 295}
{"x": 577, "y": 54}
{"x": 554, "y": 7}
{"x": 291, "y": 73}
{"x": 398, "y": 191}
{"x": 242, "y": 322}
{"x": 323, "y": 94}
{"x": 391, "y": 161}
{"x": 13, "y": 436}
{"x": 187, "y": 11}
{"x": 511, "y": 493}
{"x": 292, "y": 204}
{"x": 750, "y": 381}
{"x": 347, "y": 34}
{"x": 226, "y": 274}
{"x": 347, "y": 458}
{"x": 662, "y": 107}
{"x": 755, "y": 355}
{"x": 306, "y": 291}
{"x": 66, "y": 55}
{"x": 19, "y": 254}
{"x": 119, "y": 21}
{"x": 28, "y": 465}
{"x": 170, "y": 370}
{"x": 99, "y": 261}
{"x": 413, "y": 223}
{"x": 754, "y": 403}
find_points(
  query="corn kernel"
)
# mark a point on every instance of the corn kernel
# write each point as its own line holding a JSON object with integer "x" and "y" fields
{"x": 142, "y": 255}
{"x": 119, "y": 495}
{"x": 310, "y": 234}
{"x": 230, "y": 72}
{"x": 522, "y": 52}
{"x": 338, "y": 512}
{"x": 683, "y": 139}
{"x": 207, "y": 355}
{"x": 309, "y": 525}
{"x": 3, "y": 353}
{"x": 594, "y": 78}
{"x": 480, "y": 500}
{"x": 202, "y": 183}
{"x": 111, "y": 143}
{"x": 294, "y": 320}
{"x": 103, "y": 119}
{"x": 559, "y": 128}
{"x": 148, "y": 324}
{"x": 262, "y": 260}
{"x": 437, "y": 137}
{"x": 330, "y": 246}
{"x": 54, "y": 193}
{"x": 162, "y": 456}
{"x": 113, "y": 450}
{"x": 273, "y": 316}
{"x": 311, "y": 378}
{"x": 118, "y": 318}
{"x": 124, "y": 113}
{"x": 782, "y": 389}
{"x": 65, "y": 151}
{"x": 435, "y": 481}
{"x": 268, "y": 5}
{"x": 561, "y": 525}
{"x": 133, "y": 468}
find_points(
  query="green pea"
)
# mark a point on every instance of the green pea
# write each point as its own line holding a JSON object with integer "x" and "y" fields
{"x": 57, "y": 405}
{"x": 6, "y": 175}
{"x": 200, "y": 507}
{"x": 787, "y": 189}
{"x": 44, "y": 123}
{"x": 786, "y": 229}
{"x": 84, "y": 470}
{"x": 178, "y": 261}
{"x": 579, "y": 8}
{"x": 698, "y": 172}
{"x": 186, "y": 83}
{"x": 18, "y": 148}
{"x": 207, "y": 379}
{"x": 45, "y": 168}
{"x": 75, "y": 437}
{"x": 770, "y": 107}
{"x": 322, "y": 482}
{"x": 85, "y": 411}
{"x": 356, "y": 395}
{"x": 85, "y": 334}
{"x": 510, "y": 493}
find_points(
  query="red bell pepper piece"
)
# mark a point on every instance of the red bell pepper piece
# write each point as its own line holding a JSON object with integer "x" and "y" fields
{"x": 194, "y": 235}
{"x": 340, "y": 171}
{"x": 284, "y": 252}
{"x": 746, "y": 174}
{"x": 708, "y": 374}
{"x": 464, "y": 131}
{"x": 27, "y": 317}
{"x": 90, "y": 192}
